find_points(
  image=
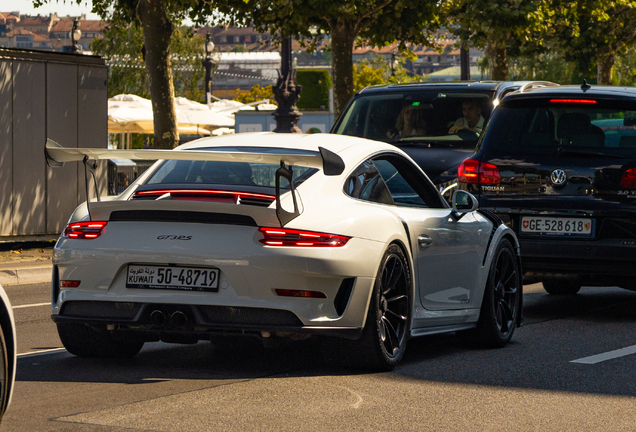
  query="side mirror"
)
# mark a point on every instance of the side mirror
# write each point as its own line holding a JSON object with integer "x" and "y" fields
{"x": 463, "y": 202}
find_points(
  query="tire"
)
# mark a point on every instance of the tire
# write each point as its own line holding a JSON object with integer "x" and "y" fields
{"x": 388, "y": 323}
{"x": 83, "y": 341}
{"x": 501, "y": 303}
{"x": 560, "y": 287}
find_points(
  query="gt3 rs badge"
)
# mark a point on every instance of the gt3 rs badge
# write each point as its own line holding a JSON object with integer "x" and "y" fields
{"x": 174, "y": 237}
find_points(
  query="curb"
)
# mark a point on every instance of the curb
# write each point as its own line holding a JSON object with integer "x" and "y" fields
{"x": 26, "y": 275}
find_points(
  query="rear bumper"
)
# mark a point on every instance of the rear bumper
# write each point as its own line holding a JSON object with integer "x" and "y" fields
{"x": 195, "y": 321}
{"x": 602, "y": 261}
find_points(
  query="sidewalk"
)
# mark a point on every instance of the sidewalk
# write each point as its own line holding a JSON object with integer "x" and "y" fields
{"x": 25, "y": 263}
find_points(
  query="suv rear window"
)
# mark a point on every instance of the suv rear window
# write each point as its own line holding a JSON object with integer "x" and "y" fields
{"x": 432, "y": 114}
{"x": 553, "y": 127}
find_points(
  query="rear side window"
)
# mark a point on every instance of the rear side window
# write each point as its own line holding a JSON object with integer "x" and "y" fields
{"x": 562, "y": 127}
{"x": 366, "y": 183}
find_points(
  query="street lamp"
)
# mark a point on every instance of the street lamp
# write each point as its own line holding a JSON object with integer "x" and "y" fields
{"x": 394, "y": 63}
{"x": 75, "y": 35}
{"x": 287, "y": 92}
{"x": 208, "y": 64}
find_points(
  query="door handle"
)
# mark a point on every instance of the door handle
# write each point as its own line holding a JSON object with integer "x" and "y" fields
{"x": 424, "y": 241}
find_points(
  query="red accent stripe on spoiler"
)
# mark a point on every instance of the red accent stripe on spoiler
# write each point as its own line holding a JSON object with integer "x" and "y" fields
{"x": 203, "y": 192}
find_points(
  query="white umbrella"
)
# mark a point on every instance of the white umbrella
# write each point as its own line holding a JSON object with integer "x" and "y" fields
{"x": 203, "y": 118}
{"x": 129, "y": 101}
{"x": 129, "y": 120}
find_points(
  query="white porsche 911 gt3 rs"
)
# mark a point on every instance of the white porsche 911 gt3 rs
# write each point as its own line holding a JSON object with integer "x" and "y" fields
{"x": 281, "y": 234}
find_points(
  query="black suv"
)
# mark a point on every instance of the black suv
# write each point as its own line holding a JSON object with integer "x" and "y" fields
{"x": 432, "y": 109}
{"x": 558, "y": 165}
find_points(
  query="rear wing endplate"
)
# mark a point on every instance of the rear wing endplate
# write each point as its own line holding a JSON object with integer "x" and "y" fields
{"x": 329, "y": 162}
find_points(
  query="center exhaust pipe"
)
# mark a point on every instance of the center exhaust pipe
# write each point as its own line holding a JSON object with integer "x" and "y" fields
{"x": 179, "y": 319}
{"x": 158, "y": 318}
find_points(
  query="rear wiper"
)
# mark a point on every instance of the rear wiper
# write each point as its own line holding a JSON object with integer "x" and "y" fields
{"x": 561, "y": 152}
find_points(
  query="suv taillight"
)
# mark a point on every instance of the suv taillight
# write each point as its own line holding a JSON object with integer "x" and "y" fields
{"x": 84, "y": 230}
{"x": 629, "y": 179}
{"x": 474, "y": 171}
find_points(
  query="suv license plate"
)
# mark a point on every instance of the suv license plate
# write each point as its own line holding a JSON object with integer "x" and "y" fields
{"x": 172, "y": 278}
{"x": 556, "y": 226}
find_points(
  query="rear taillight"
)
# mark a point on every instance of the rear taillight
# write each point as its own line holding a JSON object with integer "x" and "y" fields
{"x": 84, "y": 230}
{"x": 629, "y": 179}
{"x": 474, "y": 171}
{"x": 290, "y": 237}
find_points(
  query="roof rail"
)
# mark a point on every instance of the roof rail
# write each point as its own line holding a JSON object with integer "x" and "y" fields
{"x": 536, "y": 84}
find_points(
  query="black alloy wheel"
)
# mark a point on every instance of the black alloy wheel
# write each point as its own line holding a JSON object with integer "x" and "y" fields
{"x": 501, "y": 303}
{"x": 393, "y": 304}
{"x": 387, "y": 327}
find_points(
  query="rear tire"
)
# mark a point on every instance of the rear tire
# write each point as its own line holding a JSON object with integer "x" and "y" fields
{"x": 386, "y": 330}
{"x": 83, "y": 341}
{"x": 560, "y": 287}
{"x": 500, "y": 306}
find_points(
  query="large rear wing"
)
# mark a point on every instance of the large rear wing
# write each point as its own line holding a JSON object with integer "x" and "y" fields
{"x": 330, "y": 163}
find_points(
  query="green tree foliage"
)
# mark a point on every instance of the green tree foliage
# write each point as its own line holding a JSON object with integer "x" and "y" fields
{"x": 500, "y": 27}
{"x": 316, "y": 85}
{"x": 257, "y": 93}
{"x": 625, "y": 69}
{"x": 379, "y": 21}
{"x": 545, "y": 66}
{"x": 378, "y": 71}
{"x": 592, "y": 33}
{"x": 122, "y": 46}
{"x": 157, "y": 19}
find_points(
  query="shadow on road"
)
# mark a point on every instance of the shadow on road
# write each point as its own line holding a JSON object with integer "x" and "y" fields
{"x": 557, "y": 330}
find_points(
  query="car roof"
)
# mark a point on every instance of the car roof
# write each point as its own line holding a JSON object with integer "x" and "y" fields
{"x": 446, "y": 85}
{"x": 604, "y": 92}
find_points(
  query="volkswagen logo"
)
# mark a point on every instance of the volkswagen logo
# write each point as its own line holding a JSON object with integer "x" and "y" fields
{"x": 558, "y": 177}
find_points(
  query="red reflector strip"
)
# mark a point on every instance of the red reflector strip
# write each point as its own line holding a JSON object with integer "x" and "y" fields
{"x": 84, "y": 230}
{"x": 70, "y": 283}
{"x": 203, "y": 192}
{"x": 298, "y": 238}
{"x": 574, "y": 101}
{"x": 299, "y": 293}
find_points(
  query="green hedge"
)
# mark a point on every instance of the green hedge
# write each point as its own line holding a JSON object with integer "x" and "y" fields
{"x": 315, "y": 92}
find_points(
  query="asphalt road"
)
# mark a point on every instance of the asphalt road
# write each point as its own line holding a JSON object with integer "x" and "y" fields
{"x": 532, "y": 384}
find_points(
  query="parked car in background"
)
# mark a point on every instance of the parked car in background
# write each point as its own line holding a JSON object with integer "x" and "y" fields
{"x": 428, "y": 120}
{"x": 8, "y": 352}
{"x": 279, "y": 235}
{"x": 558, "y": 165}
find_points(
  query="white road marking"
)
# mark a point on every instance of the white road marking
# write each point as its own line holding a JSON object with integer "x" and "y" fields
{"x": 41, "y": 352}
{"x": 32, "y": 305}
{"x": 606, "y": 355}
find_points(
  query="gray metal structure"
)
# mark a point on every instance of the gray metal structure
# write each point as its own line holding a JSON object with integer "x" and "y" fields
{"x": 47, "y": 95}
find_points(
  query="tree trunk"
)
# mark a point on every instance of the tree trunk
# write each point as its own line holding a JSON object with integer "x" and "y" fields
{"x": 343, "y": 35}
{"x": 497, "y": 60}
{"x": 157, "y": 29}
{"x": 605, "y": 64}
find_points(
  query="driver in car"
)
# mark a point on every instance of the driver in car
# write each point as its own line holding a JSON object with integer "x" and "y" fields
{"x": 472, "y": 120}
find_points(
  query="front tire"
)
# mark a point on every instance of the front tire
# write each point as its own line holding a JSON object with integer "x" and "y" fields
{"x": 501, "y": 303}
{"x": 84, "y": 341}
{"x": 388, "y": 323}
{"x": 560, "y": 287}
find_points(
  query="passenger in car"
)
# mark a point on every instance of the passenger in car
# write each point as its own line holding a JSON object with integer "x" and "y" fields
{"x": 410, "y": 122}
{"x": 472, "y": 120}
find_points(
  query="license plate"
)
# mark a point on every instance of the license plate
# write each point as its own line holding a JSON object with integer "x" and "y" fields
{"x": 172, "y": 278}
{"x": 556, "y": 226}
